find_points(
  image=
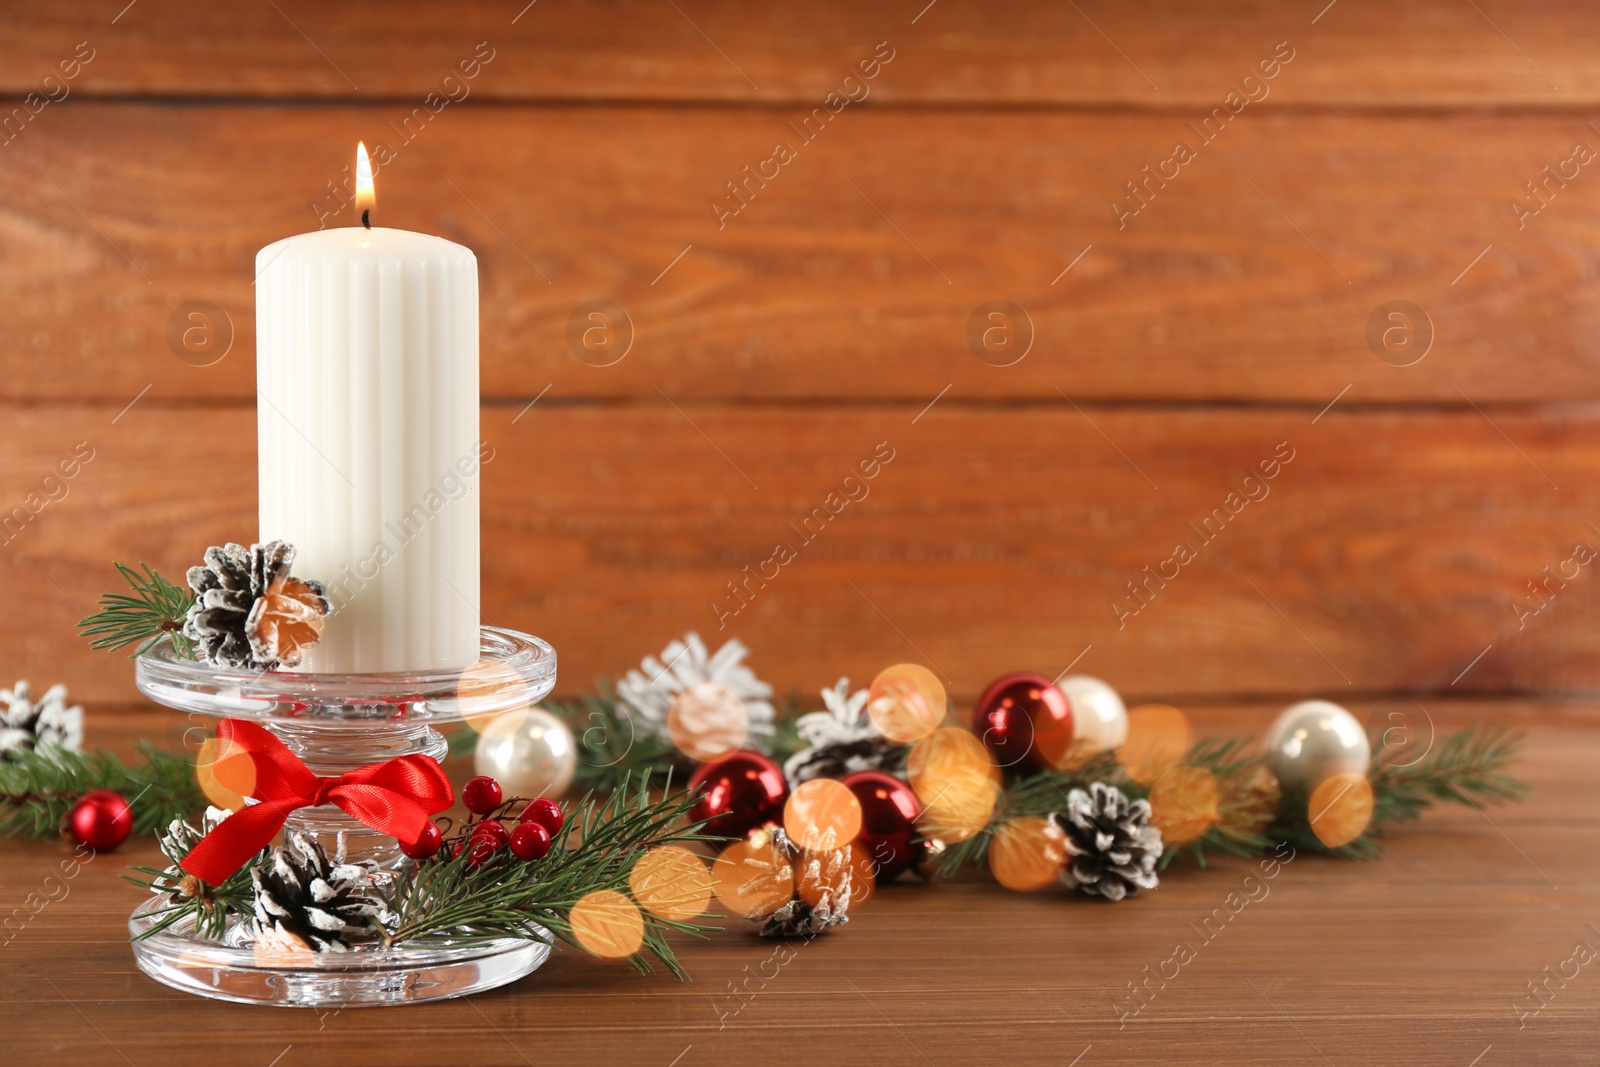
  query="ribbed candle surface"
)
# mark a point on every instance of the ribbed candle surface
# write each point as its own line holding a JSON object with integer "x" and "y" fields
{"x": 367, "y": 379}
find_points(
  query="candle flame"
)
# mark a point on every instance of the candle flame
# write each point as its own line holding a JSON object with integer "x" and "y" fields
{"x": 366, "y": 192}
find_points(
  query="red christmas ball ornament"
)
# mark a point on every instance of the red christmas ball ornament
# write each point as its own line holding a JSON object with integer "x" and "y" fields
{"x": 481, "y": 795}
{"x": 1025, "y": 722}
{"x": 100, "y": 819}
{"x": 427, "y": 843}
{"x": 546, "y": 812}
{"x": 530, "y": 841}
{"x": 889, "y": 810}
{"x": 739, "y": 792}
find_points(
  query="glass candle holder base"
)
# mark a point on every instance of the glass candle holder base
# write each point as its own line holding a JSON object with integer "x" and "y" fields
{"x": 238, "y": 969}
{"x": 336, "y": 723}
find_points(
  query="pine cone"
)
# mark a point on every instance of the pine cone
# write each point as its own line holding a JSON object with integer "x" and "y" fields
{"x": 840, "y": 740}
{"x": 1113, "y": 847}
{"x": 840, "y": 758}
{"x": 25, "y": 725}
{"x": 302, "y": 898}
{"x": 248, "y": 612}
{"x": 831, "y": 870}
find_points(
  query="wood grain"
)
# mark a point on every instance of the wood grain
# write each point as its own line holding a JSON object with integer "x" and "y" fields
{"x": 1385, "y": 557}
{"x": 858, "y": 272}
{"x": 1423, "y": 955}
{"x": 1170, "y": 54}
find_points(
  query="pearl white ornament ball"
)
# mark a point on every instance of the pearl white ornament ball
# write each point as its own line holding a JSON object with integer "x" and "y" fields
{"x": 1099, "y": 718}
{"x": 530, "y": 752}
{"x": 1313, "y": 741}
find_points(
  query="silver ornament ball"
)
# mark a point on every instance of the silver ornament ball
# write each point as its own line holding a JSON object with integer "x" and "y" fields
{"x": 1313, "y": 741}
{"x": 530, "y": 752}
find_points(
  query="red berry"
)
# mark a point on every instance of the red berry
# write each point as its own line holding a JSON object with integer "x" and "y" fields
{"x": 530, "y": 841}
{"x": 479, "y": 851}
{"x": 545, "y": 812}
{"x": 492, "y": 830}
{"x": 481, "y": 795}
{"x": 426, "y": 844}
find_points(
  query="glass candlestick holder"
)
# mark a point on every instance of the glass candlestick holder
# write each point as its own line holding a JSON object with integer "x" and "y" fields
{"x": 336, "y": 723}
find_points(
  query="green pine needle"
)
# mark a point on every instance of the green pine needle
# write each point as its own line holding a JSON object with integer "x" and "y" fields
{"x": 612, "y": 749}
{"x": 596, "y": 850}
{"x": 1037, "y": 796}
{"x": 39, "y": 786}
{"x": 1469, "y": 767}
{"x": 155, "y": 610}
{"x": 209, "y": 911}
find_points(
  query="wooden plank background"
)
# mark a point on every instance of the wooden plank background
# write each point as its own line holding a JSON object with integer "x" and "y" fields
{"x": 775, "y": 348}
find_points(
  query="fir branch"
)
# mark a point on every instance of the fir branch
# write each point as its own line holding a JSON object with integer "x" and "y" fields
{"x": 1037, "y": 795}
{"x": 38, "y": 788}
{"x": 595, "y": 850}
{"x": 1468, "y": 767}
{"x": 1244, "y": 806}
{"x": 1224, "y": 756}
{"x": 1465, "y": 768}
{"x": 786, "y": 739}
{"x": 208, "y": 909}
{"x": 155, "y": 610}
{"x": 614, "y": 749}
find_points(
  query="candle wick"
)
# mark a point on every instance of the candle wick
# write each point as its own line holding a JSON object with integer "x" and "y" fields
{"x": 366, "y": 217}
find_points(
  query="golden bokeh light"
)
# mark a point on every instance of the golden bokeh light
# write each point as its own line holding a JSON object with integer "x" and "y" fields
{"x": 1340, "y": 809}
{"x": 608, "y": 924}
{"x": 708, "y": 720}
{"x": 1184, "y": 804}
{"x": 1027, "y": 853}
{"x": 751, "y": 878}
{"x": 906, "y": 702}
{"x": 957, "y": 781}
{"x": 1158, "y": 737}
{"x": 671, "y": 883}
{"x": 280, "y": 949}
{"x": 489, "y": 689}
{"x": 822, "y": 814}
{"x": 225, "y": 772}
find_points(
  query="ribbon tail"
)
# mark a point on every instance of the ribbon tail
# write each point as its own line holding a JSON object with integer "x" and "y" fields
{"x": 236, "y": 840}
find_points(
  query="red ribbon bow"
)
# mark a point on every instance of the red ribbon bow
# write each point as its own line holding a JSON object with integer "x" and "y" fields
{"x": 394, "y": 797}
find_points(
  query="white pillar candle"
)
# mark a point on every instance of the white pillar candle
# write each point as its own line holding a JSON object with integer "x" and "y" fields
{"x": 367, "y": 375}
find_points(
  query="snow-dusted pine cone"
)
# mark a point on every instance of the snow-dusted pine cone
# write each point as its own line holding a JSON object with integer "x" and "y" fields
{"x": 687, "y": 669}
{"x": 248, "y": 611}
{"x": 841, "y": 740}
{"x": 305, "y": 901}
{"x": 1113, "y": 848}
{"x": 25, "y": 725}
{"x": 832, "y": 871}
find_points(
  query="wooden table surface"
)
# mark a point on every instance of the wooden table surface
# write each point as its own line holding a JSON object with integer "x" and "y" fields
{"x": 1422, "y": 957}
